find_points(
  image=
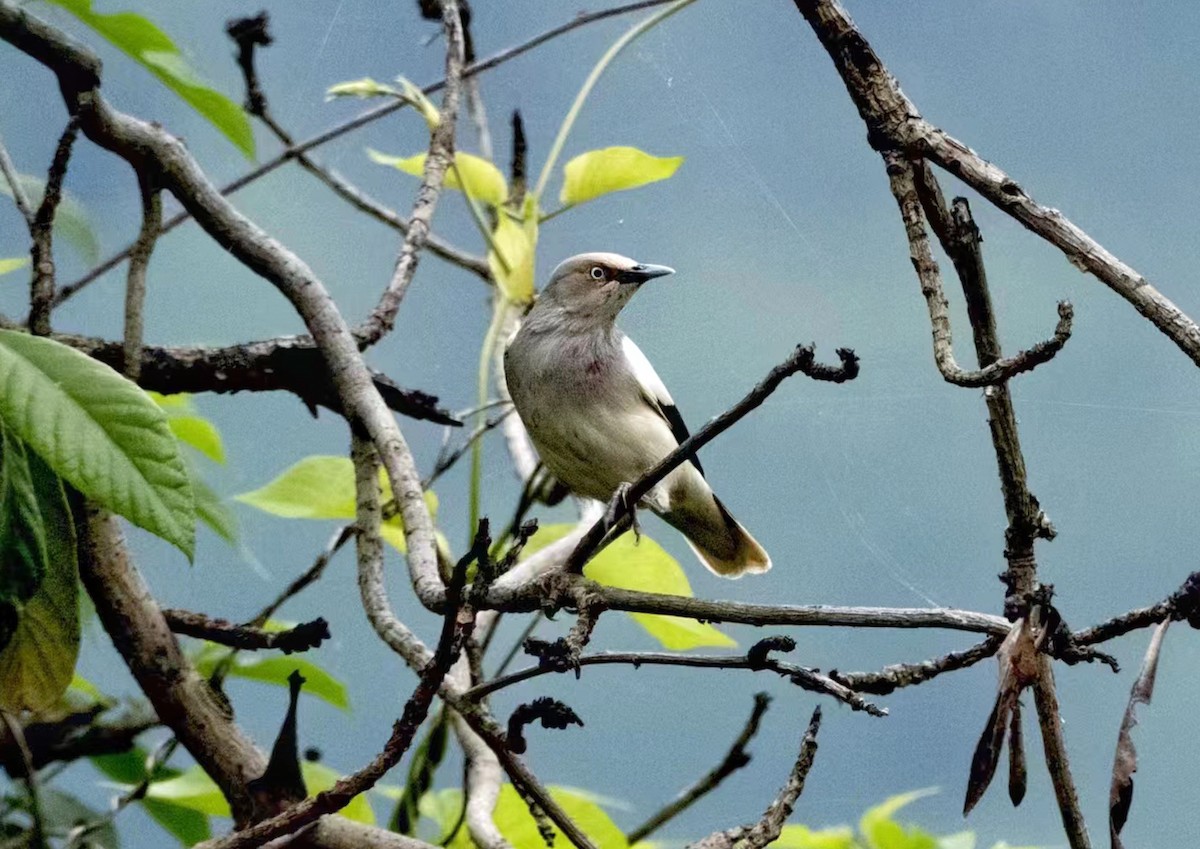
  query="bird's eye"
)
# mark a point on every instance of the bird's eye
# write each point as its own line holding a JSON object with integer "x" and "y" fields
{"x": 597, "y": 272}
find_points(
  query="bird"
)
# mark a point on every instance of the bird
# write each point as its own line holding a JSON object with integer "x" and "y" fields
{"x": 600, "y": 416}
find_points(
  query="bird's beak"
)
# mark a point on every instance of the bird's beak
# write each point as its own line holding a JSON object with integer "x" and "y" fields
{"x": 642, "y": 272}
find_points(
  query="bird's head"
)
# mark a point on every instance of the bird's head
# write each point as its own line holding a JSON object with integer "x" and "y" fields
{"x": 597, "y": 285}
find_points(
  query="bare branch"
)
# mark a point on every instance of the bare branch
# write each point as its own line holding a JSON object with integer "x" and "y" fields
{"x": 37, "y": 833}
{"x": 1184, "y": 603}
{"x": 894, "y": 123}
{"x": 299, "y": 638}
{"x": 891, "y": 678}
{"x": 1055, "y": 747}
{"x": 736, "y": 758}
{"x": 9, "y": 171}
{"x": 135, "y": 283}
{"x": 41, "y": 295}
{"x": 767, "y": 829}
{"x": 68, "y": 738}
{"x": 625, "y": 502}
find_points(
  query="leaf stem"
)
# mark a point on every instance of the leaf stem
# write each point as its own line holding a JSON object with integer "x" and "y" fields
{"x": 620, "y": 44}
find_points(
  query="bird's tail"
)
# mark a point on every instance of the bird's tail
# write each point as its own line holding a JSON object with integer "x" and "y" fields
{"x": 718, "y": 539}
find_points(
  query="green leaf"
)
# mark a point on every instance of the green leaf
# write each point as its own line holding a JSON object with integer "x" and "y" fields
{"x": 153, "y": 49}
{"x": 484, "y": 180}
{"x": 189, "y": 426}
{"x": 514, "y": 821}
{"x": 318, "y": 778}
{"x": 191, "y": 789}
{"x": 13, "y": 263}
{"x": 802, "y": 837}
{"x": 99, "y": 432}
{"x": 414, "y": 95}
{"x": 361, "y": 88}
{"x": 646, "y": 567}
{"x": 958, "y": 840}
{"x": 275, "y": 670}
{"x": 612, "y": 169}
{"x": 189, "y": 827}
{"x": 213, "y": 511}
{"x": 517, "y": 245}
{"x": 70, "y": 218}
{"x": 87, "y": 688}
{"x": 322, "y": 487}
{"x": 61, "y": 812}
{"x": 882, "y": 832}
{"x": 23, "y": 554}
{"x": 38, "y": 663}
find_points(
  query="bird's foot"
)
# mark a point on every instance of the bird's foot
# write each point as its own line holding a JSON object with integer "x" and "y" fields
{"x": 620, "y": 506}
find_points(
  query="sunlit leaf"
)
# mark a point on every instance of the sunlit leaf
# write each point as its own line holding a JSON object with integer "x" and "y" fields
{"x": 99, "y": 432}
{"x": 414, "y": 95}
{"x": 881, "y": 831}
{"x": 484, "y": 181}
{"x": 189, "y": 426}
{"x": 361, "y": 88}
{"x": 188, "y": 826}
{"x": 70, "y": 218}
{"x": 517, "y": 246}
{"x": 191, "y": 789}
{"x": 514, "y": 821}
{"x": 645, "y": 567}
{"x": 958, "y": 840}
{"x": 802, "y": 837}
{"x": 322, "y": 487}
{"x": 318, "y": 778}
{"x": 13, "y": 263}
{"x": 275, "y": 669}
{"x": 152, "y": 48}
{"x": 38, "y": 663}
{"x": 613, "y": 169}
{"x": 87, "y": 688}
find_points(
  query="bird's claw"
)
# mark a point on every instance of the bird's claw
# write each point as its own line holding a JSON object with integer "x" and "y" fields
{"x": 619, "y": 505}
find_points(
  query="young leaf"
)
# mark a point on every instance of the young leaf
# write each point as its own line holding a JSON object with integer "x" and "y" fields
{"x": 153, "y": 49}
{"x": 613, "y": 169}
{"x": 38, "y": 663}
{"x": 189, "y": 426}
{"x": 514, "y": 821}
{"x": 23, "y": 554}
{"x": 191, "y": 789}
{"x": 646, "y": 567}
{"x": 97, "y": 431}
{"x": 414, "y": 95}
{"x": 13, "y": 263}
{"x": 484, "y": 181}
{"x": 189, "y": 827}
{"x": 802, "y": 837}
{"x": 70, "y": 218}
{"x": 212, "y": 510}
{"x": 360, "y": 88}
{"x": 275, "y": 670}
{"x": 514, "y": 275}
{"x": 322, "y": 487}
{"x": 318, "y": 777}
{"x": 882, "y": 832}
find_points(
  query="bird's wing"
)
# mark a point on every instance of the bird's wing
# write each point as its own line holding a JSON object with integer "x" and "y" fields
{"x": 656, "y": 394}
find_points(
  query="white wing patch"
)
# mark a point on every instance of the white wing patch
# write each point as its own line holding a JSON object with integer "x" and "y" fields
{"x": 651, "y": 383}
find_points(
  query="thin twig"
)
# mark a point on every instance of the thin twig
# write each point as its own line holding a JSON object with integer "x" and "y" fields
{"x": 249, "y": 33}
{"x": 37, "y": 832}
{"x": 135, "y": 282}
{"x": 9, "y": 171}
{"x": 1055, "y": 746}
{"x": 891, "y": 678}
{"x": 362, "y": 120}
{"x": 808, "y": 679}
{"x": 447, "y": 460}
{"x": 768, "y": 828}
{"x": 41, "y": 295}
{"x": 299, "y": 638}
{"x": 439, "y": 159}
{"x": 736, "y": 758}
{"x": 1181, "y": 604}
{"x": 624, "y": 502}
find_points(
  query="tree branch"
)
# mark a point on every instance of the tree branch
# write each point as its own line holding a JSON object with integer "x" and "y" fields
{"x": 894, "y": 123}
{"x": 300, "y": 638}
{"x": 736, "y": 758}
{"x": 41, "y": 295}
{"x": 135, "y": 282}
{"x": 891, "y": 678}
{"x": 767, "y": 829}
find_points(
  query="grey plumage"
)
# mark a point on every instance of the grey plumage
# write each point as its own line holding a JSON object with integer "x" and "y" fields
{"x": 600, "y": 416}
